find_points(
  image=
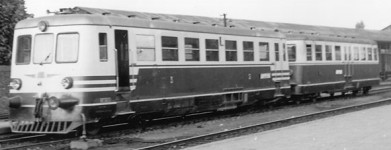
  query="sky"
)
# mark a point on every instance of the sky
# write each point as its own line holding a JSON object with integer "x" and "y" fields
{"x": 376, "y": 14}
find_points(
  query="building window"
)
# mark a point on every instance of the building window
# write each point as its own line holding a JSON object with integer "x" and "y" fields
{"x": 212, "y": 49}
{"x": 248, "y": 51}
{"x": 370, "y": 53}
{"x": 329, "y": 53}
{"x": 23, "y": 49}
{"x": 230, "y": 51}
{"x": 264, "y": 51}
{"x": 338, "y": 53}
{"x": 318, "y": 52}
{"x": 356, "y": 54}
{"x": 170, "y": 48}
{"x": 291, "y": 52}
{"x": 308, "y": 48}
{"x": 145, "y": 47}
{"x": 192, "y": 49}
{"x": 67, "y": 47}
{"x": 363, "y": 53}
{"x": 277, "y": 51}
{"x": 43, "y": 48}
{"x": 103, "y": 47}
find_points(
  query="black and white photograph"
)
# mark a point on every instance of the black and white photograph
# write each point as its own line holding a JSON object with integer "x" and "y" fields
{"x": 195, "y": 75}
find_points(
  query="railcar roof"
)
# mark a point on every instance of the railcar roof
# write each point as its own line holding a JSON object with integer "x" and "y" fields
{"x": 115, "y": 20}
{"x": 349, "y": 33}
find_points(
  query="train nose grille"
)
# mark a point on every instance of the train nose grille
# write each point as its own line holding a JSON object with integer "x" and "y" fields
{"x": 40, "y": 127}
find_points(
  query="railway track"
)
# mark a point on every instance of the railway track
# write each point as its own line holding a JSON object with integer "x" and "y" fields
{"x": 202, "y": 139}
{"x": 25, "y": 141}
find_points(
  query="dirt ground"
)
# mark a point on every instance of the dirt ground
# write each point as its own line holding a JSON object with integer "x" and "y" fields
{"x": 179, "y": 132}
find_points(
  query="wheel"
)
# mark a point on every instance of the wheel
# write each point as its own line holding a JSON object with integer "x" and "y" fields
{"x": 354, "y": 92}
{"x": 331, "y": 94}
{"x": 136, "y": 122}
{"x": 314, "y": 99}
{"x": 365, "y": 90}
{"x": 93, "y": 128}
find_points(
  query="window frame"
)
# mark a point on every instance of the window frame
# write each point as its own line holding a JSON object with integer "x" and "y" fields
{"x": 192, "y": 49}
{"x": 289, "y": 48}
{"x": 328, "y": 52}
{"x": 318, "y": 51}
{"x": 139, "y": 48}
{"x": 78, "y": 48}
{"x": 311, "y": 56}
{"x": 175, "y": 49}
{"x": 231, "y": 53}
{"x": 52, "y": 53}
{"x": 103, "y": 45}
{"x": 267, "y": 51}
{"x": 18, "y": 49}
{"x": 211, "y": 50}
{"x": 248, "y": 51}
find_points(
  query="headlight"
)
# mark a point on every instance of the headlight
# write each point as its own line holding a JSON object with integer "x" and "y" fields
{"x": 53, "y": 103}
{"x": 67, "y": 82}
{"x": 15, "y": 84}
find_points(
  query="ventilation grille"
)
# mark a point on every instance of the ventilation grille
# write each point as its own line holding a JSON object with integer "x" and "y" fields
{"x": 61, "y": 127}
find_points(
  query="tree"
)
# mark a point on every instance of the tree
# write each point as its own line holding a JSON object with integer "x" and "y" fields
{"x": 360, "y": 25}
{"x": 11, "y": 11}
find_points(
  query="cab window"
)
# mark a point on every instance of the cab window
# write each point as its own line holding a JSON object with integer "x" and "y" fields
{"x": 67, "y": 47}
{"x": 23, "y": 49}
{"x": 43, "y": 48}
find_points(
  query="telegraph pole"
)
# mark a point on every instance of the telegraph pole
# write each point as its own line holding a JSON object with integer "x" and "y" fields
{"x": 225, "y": 19}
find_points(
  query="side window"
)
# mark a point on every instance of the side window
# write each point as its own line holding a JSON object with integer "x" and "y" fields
{"x": 170, "y": 48}
{"x": 346, "y": 53}
{"x": 192, "y": 49}
{"x": 212, "y": 49}
{"x": 277, "y": 51}
{"x": 375, "y": 54}
{"x": 284, "y": 52}
{"x": 103, "y": 47}
{"x": 338, "y": 53}
{"x": 145, "y": 47}
{"x": 308, "y": 49}
{"x": 363, "y": 53}
{"x": 231, "y": 51}
{"x": 23, "y": 49}
{"x": 291, "y": 52}
{"x": 356, "y": 54}
{"x": 248, "y": 51}
{"x": 329, "y": 53}
{"x": 43, "y": 48}
{"x": 264, "y": 53}
{"x": 67, "y": 47}
{"x": 318, "y": 52}
{"x": 369, "y": 49}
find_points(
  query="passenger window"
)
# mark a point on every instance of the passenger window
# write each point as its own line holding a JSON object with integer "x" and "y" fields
{"x": 277, "y": 51}
{"x": 291, "y": 52}
{"x": 248, "y": 51}
{"x": 170, "y": 48}
{"x": 308, "y": 48}
{"x": 318, "y": 52}
{"x": 264, "y": 51}
{"x": 67, "y": 47}
{"x": 370, "y": 53}
{"x": 356, "y": 54}
{"x": 145, "y": 47}
{"x": 43, "y": 48}
{"x": 338, "y": 53}
{"x": 375, "y": 53}
{"x": 329, "y": 53}
{"x": 363, "y": 53}
{"x": 103, "y": 47}
{"x": 230, "y": 51}
{"x": 212, "y": 49}
{"x": 23, "y": 50}
{"x": 192, "y": 49}
{"x": 284, "y": 52}
{"x": 346, "y": 52}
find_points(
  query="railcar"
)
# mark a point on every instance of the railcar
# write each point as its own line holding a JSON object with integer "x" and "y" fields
{"x": 329, "y": 64}
{"x": 87, "y": 69}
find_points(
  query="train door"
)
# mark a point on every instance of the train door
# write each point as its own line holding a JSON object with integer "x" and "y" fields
{"x": 280, "y": 64}
{"x": 122, "y": 60}
{"x": 348, "y": 67}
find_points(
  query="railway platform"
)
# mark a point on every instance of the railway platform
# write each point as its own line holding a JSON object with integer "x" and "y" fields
{"x": 362, "y": 130}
